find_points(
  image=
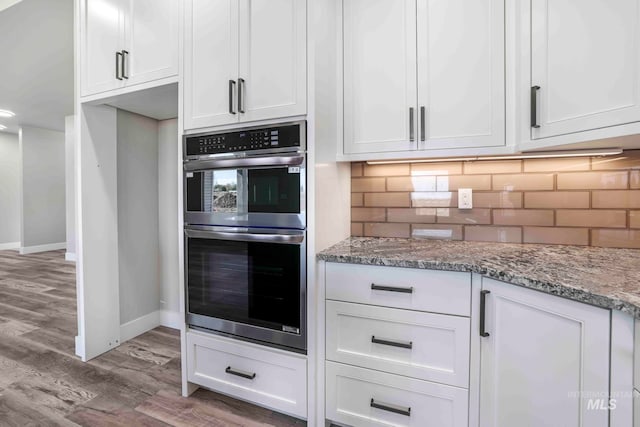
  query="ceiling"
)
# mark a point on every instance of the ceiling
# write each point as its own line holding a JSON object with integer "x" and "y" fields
{"x": 36, "y": 71}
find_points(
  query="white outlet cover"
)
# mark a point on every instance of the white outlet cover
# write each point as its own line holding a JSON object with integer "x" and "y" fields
{"x": 465, "y": 198}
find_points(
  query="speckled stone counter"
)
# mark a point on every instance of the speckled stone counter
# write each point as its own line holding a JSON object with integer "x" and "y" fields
{"x": 608, "y": 278}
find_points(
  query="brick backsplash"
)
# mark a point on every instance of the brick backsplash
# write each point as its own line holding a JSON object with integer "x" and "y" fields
{"x": 576, "y": 201}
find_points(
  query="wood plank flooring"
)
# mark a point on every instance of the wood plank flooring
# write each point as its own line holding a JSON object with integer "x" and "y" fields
{"x": 43, "y": 383}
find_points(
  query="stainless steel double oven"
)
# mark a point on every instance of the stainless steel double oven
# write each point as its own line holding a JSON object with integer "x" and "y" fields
{"x": 245, "y": 233}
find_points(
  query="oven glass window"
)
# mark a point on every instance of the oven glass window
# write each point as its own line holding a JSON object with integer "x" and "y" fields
{"x": 213, "y": 191}
{"x": 274, "y": 190}
{"x": 246, "y": 282}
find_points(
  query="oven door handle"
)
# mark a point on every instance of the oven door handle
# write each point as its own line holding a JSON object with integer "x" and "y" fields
{"x": 248, "y": 162}
{"x": 245, "y": 237}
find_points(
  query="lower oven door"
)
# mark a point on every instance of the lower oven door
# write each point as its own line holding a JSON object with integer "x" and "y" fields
{"x": 248, "y": 282}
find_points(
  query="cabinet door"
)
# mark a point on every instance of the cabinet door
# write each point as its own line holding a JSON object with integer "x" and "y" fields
{"x": 273, "y": 59}
{"x": 211, "y": 63}
{"x": 542, "y": 352}
{"x": 380, "y": 95}
{"x": 151, "y": 34}
{"x": 461, "y": 95}
{"x": 101, "y": 38}
{"x": 585, "y": 57}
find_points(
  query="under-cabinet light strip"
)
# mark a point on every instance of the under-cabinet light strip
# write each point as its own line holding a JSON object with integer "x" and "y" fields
{"x": 534, "y": 155}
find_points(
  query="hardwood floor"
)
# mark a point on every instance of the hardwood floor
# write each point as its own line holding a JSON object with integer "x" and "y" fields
{"x": 43, "y": 383}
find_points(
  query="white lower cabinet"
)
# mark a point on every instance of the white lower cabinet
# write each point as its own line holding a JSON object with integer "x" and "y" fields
{"x": 545, "y": 360}
{"x": 446, "y": 352}
{"x": 264, "y": 376}
{"x": 363, "y": 397}
{"x": 427, "y": 346}
{"x": 397, "y": 346}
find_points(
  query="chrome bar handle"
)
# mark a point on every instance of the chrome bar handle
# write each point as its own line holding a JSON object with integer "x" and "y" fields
{"x": 375, "y": 287}
{"x": 241, "y": 95}
{"x": 118, "y": 66}
{"x": 232, "y": 84}
{"x": 412, "y": 136}
{"x": 483, "y": 307}
{"x": 245, "y": 237}
{"x": 391, "y": 408}
{"x": 534, "y": 106}
{"x": 423, "y": 126}
{"x": 125, "y": 54}
{"x": 231, "y": 371}
{"x": 247, "y": 162}
{"x": 390, "y": 343}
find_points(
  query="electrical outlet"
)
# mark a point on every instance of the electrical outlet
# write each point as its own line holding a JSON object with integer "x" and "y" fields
{"x": 465, "y": 198}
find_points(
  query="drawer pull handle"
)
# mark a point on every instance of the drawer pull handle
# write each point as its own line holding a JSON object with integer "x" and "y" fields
{"x": 483, "y": 308}
{"x": 375, "y": 287}
{"x": 534, "y": 106}
{"x": 375, "y": 340}
{"x": 246, "y": 375}
{"x": 391, "y": 408}
{"x": 119, "y": 60}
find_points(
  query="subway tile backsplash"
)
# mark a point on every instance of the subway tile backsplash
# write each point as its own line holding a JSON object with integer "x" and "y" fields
{"x": 575, "y": 201}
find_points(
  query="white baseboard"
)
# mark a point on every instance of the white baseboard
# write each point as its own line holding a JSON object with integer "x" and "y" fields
{"x": 139, "y": 326}
{"x": 70, "y": 256}
{"x": 42, "y": 248}
{"x": 8, "y": 246}
{"x": 171, "y": 319}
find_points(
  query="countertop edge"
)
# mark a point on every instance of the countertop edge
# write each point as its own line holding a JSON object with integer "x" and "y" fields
{"x": 557, "y": 289}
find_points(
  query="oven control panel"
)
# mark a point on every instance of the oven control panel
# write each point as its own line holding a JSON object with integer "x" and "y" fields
{"x": 244, "y": 140}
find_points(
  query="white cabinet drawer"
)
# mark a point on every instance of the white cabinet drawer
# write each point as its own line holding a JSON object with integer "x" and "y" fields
{"x": 446, "y": 292}
{"x": 268, "y": 377}
{"x": 378, "y": 338}
{"x": 362, "y": 397}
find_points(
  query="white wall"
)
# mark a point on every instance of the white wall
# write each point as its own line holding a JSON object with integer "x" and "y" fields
{"x": 70, "y": 186}
{"x": 168, "y": 152}
{"x": 9, "y": 191}
{"x": 138, "y": 216}
{"x": 43, "y": 208}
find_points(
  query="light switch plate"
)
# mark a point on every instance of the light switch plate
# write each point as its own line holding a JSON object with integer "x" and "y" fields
{"x": 465, "y": 198}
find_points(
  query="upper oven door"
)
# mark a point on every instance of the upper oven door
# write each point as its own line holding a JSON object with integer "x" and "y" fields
{"x": 246, "y": 192}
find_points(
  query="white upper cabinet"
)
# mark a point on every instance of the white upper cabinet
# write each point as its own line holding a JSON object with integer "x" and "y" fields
{"x": 127, "y": 42}
{"x": 102, "y": 39}
{"x": 461, "y": 95}
{"x": 151, "y": 30}
{"x": 423, "y": 74}
{"x": 244, "y": 61}
{"x": 210, "y": 63}
{"x": 272, "y": 59}
{"x": 541, "y": 354}
{"x": 380, "y": 92}
{"x": 585, "y": 59}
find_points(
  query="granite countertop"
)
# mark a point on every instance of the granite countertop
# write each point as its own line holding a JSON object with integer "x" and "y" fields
{"x": 608, "y": 278}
